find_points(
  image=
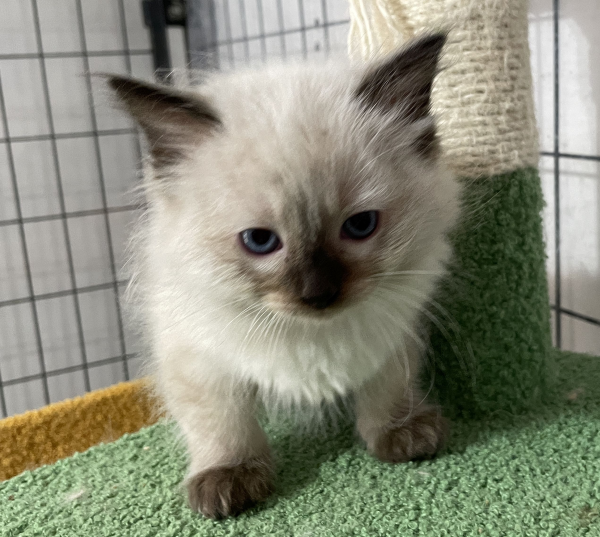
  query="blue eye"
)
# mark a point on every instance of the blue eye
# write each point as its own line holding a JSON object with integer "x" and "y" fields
{"x": 361, "y": 225}
{"x": 260, "y": 241}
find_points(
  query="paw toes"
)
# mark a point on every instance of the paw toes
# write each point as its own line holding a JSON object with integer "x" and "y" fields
{"x": 228, "y": 490}
{"x": 418, "y": 437}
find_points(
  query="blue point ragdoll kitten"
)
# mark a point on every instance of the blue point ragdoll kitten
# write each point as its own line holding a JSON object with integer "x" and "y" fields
{"x": 296, "y": 226}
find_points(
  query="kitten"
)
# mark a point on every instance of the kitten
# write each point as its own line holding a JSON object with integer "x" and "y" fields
{"x": 296, "y": 226}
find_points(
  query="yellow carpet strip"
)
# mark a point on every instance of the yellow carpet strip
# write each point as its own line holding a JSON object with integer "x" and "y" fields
{"x": 59, "y": 430}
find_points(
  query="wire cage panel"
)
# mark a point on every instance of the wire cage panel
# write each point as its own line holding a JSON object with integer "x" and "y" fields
{"x": 67, "y": 165}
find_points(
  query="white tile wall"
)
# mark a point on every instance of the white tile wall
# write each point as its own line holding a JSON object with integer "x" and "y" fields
{"x": 19, "y": 349}
{"x": 102, "y": 25}
{"x": 24, "y": 396}
{"x": 66, "y": 386}
{"x": 579, "y": 77}
{"x": 17, "y": 33}
{"x": 106, "y": 375}
{"x": 80, "y": 176}
{"x": 68, "y": 95}
{"x": 83, "y": 164}
{"x": 81, "y": 172}
{"x": 58, "y": 21}
{"x": 119, "y": 164}
{"x": 24, "y": 96}
{"x": 90, "y": 258}
{"x": 579, "y": 336}
{"x": 579, "y": 129}
{"x": 7, "y": 200}
{"x": 58, "y": 325}
{"x": 580, "y": 236}
{"x": 39, "y": 193}
{"x": 48, "y": 256}
{"x": 13, "y": 283}
{"x": 100, "y": 325}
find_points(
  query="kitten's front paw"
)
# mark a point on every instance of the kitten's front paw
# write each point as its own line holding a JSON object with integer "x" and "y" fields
{"x": 419, "y": 436}
{"x": 228, "y": 490}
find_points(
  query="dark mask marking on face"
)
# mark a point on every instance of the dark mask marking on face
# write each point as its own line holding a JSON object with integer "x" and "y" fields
{"x": 318, "y": 279}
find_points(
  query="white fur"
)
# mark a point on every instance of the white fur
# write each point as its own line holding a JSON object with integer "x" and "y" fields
{"x": 289, "y": 132}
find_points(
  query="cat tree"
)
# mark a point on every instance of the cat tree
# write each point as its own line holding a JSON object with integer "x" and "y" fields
{"x": 523, "y": 458}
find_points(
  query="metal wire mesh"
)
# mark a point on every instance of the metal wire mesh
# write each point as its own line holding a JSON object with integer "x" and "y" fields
{"x": 30, "y": 311}
{"x": 225, "y": 34}
{"x": 231, "y": 33}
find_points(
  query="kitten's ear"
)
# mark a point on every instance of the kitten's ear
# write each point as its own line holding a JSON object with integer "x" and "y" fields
{"x": 172, "y": 120}
{"x": 402, "y": 83}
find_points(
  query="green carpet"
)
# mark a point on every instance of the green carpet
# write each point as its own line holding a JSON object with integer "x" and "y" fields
{"x": 536, "y": 474}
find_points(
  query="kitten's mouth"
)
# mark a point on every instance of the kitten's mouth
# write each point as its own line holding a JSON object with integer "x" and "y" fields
{"x": 319, "y": 306}
{"x": 322, "y": 308}
{"x": 298, "y": 309}
{"x": 322, "y": 301}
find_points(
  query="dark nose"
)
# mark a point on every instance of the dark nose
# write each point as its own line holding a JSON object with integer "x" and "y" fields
{"x": 321, "y": 301}
{"x": 319, "y": 280}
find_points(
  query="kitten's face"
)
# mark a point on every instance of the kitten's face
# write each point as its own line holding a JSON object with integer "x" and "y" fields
{"x": 305, "y": 224}
{"x": 302, "y": 189}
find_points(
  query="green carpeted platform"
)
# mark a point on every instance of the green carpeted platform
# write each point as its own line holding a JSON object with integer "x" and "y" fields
{"x": 536, "y": 474}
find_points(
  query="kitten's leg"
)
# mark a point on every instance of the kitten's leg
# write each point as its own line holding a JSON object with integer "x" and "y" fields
{"x": 393, "y": 417}
{"x": 230, "y": 462}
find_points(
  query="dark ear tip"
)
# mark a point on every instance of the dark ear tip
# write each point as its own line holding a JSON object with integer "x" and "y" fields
{"x": 120, "y": 84}
{"x": 437, "y": 37}
{"x": 405, "y": 77}
{"x": 115, "y": 81}
{"x": 433, "y": 41}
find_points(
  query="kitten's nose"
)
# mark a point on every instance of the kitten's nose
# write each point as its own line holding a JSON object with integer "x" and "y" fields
{"x": 321, "y": 301}
{"x": 320, "y": 280}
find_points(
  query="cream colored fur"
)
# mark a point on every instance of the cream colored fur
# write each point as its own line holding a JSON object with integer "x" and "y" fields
{"x": 296, "y": 154}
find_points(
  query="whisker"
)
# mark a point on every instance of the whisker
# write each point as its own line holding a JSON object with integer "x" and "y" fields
{"x": 196, "y": 312}
{"x": 245, "y": 310}
{"x": 284, "y": 325}
{"x": 407, "y": 273}
{"x": 270, "y": 329}
{"x": 438, "y": 324}
{"x": 454, "y": 327}
{"x": 262, "y": 320}
{"x": 405, "y": 328}
{"x": 256, "y": 319}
